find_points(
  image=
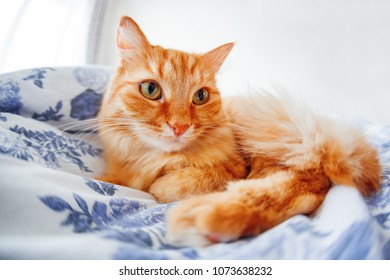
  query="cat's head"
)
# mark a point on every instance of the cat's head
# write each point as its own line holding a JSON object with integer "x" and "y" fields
{"x": 169, "y": 97}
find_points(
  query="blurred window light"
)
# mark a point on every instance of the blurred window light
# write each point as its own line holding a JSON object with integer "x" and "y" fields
{"x": 36, "y": 33}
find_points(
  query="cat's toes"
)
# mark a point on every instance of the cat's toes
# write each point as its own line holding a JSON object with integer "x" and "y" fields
{"x": 205, "y": 220}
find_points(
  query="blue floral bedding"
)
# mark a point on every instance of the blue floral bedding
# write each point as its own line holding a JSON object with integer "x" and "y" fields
{"x": 52, "y": 208}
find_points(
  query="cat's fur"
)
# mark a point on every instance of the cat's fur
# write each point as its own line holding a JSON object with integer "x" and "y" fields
{"x": 175, "y": 149}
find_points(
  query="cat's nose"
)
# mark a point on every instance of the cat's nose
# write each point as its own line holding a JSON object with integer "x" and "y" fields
{"x": 179, "y": 129}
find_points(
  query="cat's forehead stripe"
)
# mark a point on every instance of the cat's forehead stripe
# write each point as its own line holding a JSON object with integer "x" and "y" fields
{"x": 175, "y": 65}
{"x": 167, "y": 68}
{"x": 153, "y": 65}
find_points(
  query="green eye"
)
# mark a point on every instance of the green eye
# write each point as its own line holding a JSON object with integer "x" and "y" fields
{"x": 201, "y": 97}
{"x": 150, "y": 90}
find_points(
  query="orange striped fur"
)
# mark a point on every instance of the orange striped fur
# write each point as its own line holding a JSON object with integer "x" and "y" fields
{"x": 239, "y": 166}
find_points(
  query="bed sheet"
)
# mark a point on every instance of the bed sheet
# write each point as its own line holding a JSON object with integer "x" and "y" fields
{"x": 52, "y": 208}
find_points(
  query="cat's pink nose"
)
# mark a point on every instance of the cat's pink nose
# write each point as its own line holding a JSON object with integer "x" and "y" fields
{"x": 179, "y": 129}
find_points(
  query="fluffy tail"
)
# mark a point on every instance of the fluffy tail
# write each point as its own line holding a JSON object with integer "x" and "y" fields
{"x": 293, "y": 136}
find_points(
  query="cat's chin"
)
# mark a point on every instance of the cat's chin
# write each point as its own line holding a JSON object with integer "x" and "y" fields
{"x": 166, "y": 145}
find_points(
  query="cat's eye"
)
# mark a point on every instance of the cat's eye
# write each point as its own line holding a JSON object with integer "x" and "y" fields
{"x": 150, "y": 90}
{"x": 201, "y": 97}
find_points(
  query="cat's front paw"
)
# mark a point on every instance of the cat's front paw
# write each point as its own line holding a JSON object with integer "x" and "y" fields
{"x": 204, "y": 220}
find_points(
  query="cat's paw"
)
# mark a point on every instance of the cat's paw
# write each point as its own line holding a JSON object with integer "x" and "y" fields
{"x": 204, "y": 220}
{"x": 186, "y": 182}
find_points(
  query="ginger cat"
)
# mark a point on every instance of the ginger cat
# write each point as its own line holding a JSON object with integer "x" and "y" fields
{"x": 241, "y": 166}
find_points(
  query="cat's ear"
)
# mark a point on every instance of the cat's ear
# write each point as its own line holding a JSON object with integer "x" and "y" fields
{"x": 130, "y": 40}
{"x": 214, "y": 58}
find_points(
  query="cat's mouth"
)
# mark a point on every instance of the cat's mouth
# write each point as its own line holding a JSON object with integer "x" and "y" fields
{"x": 166, "y": 143}
{"x": 172, "y": 144}
{"x": 174, "y": 139}
{"x": 179, "y": 140}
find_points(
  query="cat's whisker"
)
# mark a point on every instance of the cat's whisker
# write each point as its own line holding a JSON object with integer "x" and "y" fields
{"x": 91, "y": 129}
{"x": 74, "y": 126}
{"x": 97, "y": 138}
{"x": 108, "y": 128}
{"x": 83, "y": 135}
{"x": 135, "y": 140}
{"x": 85, "y": 132}
{"x": 94, "y": 129}
{"x": 77, "y": 122}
